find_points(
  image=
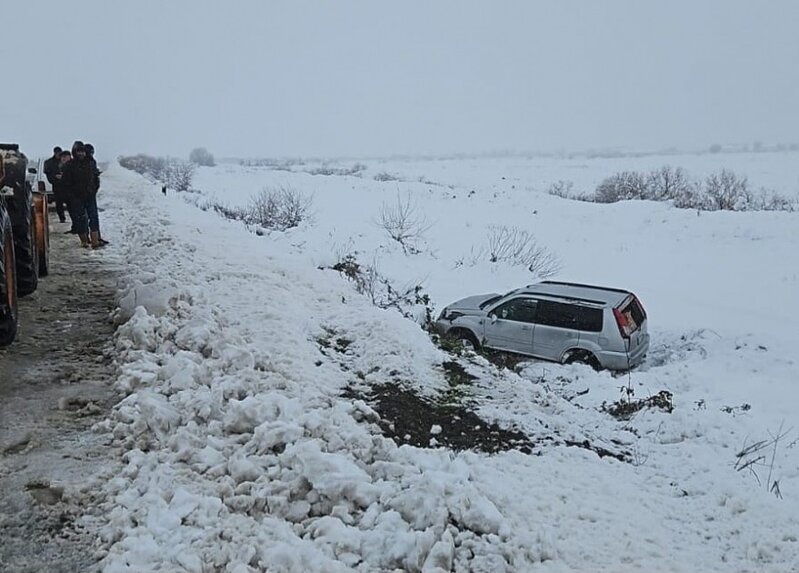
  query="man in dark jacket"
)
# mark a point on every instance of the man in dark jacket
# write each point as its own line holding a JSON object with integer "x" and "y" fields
{"x": 52, "y": 169}
{"x": 80, "y": 179}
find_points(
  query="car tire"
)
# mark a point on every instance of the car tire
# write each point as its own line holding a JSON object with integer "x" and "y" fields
{"x": 582, "y": 357}
{"x": 465, "y": 339}
{"x": 8, "y": 284}
{"x": 41, "y": 224}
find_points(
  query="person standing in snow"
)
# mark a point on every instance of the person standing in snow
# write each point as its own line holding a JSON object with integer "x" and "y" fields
{"x": 66, "y": 157}
{"x": 80, "y": 177}
{"x": 52, "y": 169}
{"x": 90, "y": 154}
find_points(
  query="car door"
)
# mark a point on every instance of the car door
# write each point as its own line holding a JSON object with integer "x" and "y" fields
{"x": 555, "y": 329}
{"x": 509, "y": 325}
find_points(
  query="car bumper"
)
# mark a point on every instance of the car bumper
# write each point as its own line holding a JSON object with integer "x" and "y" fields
{"x": 624, "y": 360}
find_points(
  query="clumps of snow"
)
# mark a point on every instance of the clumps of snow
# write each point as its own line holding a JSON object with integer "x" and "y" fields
{"x": 224, "y": 446}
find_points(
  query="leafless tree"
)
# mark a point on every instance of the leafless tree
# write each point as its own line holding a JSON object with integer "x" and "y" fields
{"x": 404, "y": 223}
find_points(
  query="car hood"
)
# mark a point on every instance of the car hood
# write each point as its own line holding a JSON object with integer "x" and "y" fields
{"x": 472, "y": 303}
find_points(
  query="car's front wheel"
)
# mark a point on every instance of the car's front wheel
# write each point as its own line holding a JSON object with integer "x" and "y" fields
{"x": 465, "y": 339}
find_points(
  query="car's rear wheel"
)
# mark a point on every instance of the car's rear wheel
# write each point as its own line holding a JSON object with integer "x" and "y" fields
{"x": 582, "y": 357}
{"x": 8, "y": 287}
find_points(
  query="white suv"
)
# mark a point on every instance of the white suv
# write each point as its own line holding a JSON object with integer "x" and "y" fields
{"x": 564, "y": 322}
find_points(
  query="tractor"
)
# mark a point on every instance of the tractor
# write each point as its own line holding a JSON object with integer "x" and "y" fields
{"x": 24, "y": 236}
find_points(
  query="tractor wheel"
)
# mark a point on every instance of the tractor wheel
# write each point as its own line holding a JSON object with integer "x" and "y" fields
{"x": 8, "y": 285}
{"x": 27, "y": 255}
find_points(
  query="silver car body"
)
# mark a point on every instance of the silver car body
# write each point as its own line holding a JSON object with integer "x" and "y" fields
{"x": 555, "y": 321}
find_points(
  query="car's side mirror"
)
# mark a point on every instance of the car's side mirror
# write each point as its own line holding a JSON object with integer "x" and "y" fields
{"x": 32, "y": 170}
{"x": 493, "y": 317}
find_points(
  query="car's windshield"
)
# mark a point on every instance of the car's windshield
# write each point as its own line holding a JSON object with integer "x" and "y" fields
{"x": 493, "y": 299}
{"x": 490, "y": 301}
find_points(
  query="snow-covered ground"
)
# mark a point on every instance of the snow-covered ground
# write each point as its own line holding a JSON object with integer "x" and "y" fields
{"x": 244, "y": 356}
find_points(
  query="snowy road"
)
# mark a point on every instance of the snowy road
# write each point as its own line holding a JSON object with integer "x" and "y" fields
{"x": 53, "y": 387}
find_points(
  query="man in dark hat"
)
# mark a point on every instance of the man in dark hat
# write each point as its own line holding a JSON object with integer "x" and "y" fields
{"x": 80, "y": 179}
{"x": 52, "y": 169}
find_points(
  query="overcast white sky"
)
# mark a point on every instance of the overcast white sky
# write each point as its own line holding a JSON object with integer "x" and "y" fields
{"x": 259, "y": 78}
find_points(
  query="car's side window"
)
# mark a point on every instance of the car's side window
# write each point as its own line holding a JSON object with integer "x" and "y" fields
{"x": 518, "y": 310}
{"x": 571, "y": 316}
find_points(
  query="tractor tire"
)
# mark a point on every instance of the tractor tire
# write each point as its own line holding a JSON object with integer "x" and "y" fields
{"x": 41, "y": 224}
{"x": 26, "y": 253}
{"x": 8, "y": 283}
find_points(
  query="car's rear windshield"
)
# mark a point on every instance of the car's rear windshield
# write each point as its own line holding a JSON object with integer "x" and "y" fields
{"x": 633, "y": 312}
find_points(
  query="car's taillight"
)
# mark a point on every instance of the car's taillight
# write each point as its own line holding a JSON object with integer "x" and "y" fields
{"x": 621, "y": 321}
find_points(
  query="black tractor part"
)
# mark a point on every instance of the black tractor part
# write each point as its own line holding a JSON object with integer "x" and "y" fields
{"x": 8, "y": 279}
{"x": 19, "y": 204}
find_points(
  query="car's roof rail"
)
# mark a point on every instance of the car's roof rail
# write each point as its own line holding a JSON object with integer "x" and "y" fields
{"x": 580, "y": 285}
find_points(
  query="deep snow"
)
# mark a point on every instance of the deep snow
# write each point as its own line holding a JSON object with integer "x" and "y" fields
{"x": 243, "y": 455}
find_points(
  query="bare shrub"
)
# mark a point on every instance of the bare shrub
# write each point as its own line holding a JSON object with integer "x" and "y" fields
{"x": 179, "y": 174}
{"x": 404, "y": 223}
{"x": 667, "y": 183}
{"x": 770, "y": 200}
{"x": 385, "y": 176}
{"x": 727, "y": 192}
{"x": 411, "y": 301}
{"x": 174, "y": 173}
{"x": 622, "y": 187}
{"x": 565, "y": 190}
{"x": 561, "y": 188}
{"x": 224, "y": 210}
{"x": 278, "y": 208}
{"x": 724, "y": 191}
{"x": 354, "y": 171}
{"x": 517, "y": 247}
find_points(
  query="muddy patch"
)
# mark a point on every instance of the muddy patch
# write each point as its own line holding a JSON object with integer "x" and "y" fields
{"x": 409, "y": 419}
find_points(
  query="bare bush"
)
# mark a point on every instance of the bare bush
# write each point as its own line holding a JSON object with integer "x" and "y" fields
{"x": 224, "y": 210}
{"x": 179, "y": 174}
{"x": 354, "y": 171}
{"x": 724, "y": 191}
{"x": 385, "y": 176}
{"x": 564, "y": 190}
{"x": 668, "y": 183}
{"x": 278, "y": 208}
{"x": 770, "y": 200}
{"x": 727, "y": 192}
{"x": 411, "y": 301}
{"x": 404, "y": 223}
{"x": 622, "y": 187}
{"x": 517, "y": 247}
{"x": 561, "y": 188}
{"x": 174, "y": 173}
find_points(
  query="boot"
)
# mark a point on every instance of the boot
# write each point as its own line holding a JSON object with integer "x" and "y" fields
{"x": 95, "y": 240}
{"x": 84, "y": 240}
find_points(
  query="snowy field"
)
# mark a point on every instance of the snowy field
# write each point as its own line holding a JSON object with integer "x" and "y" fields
{"x": 251, "y": 443}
